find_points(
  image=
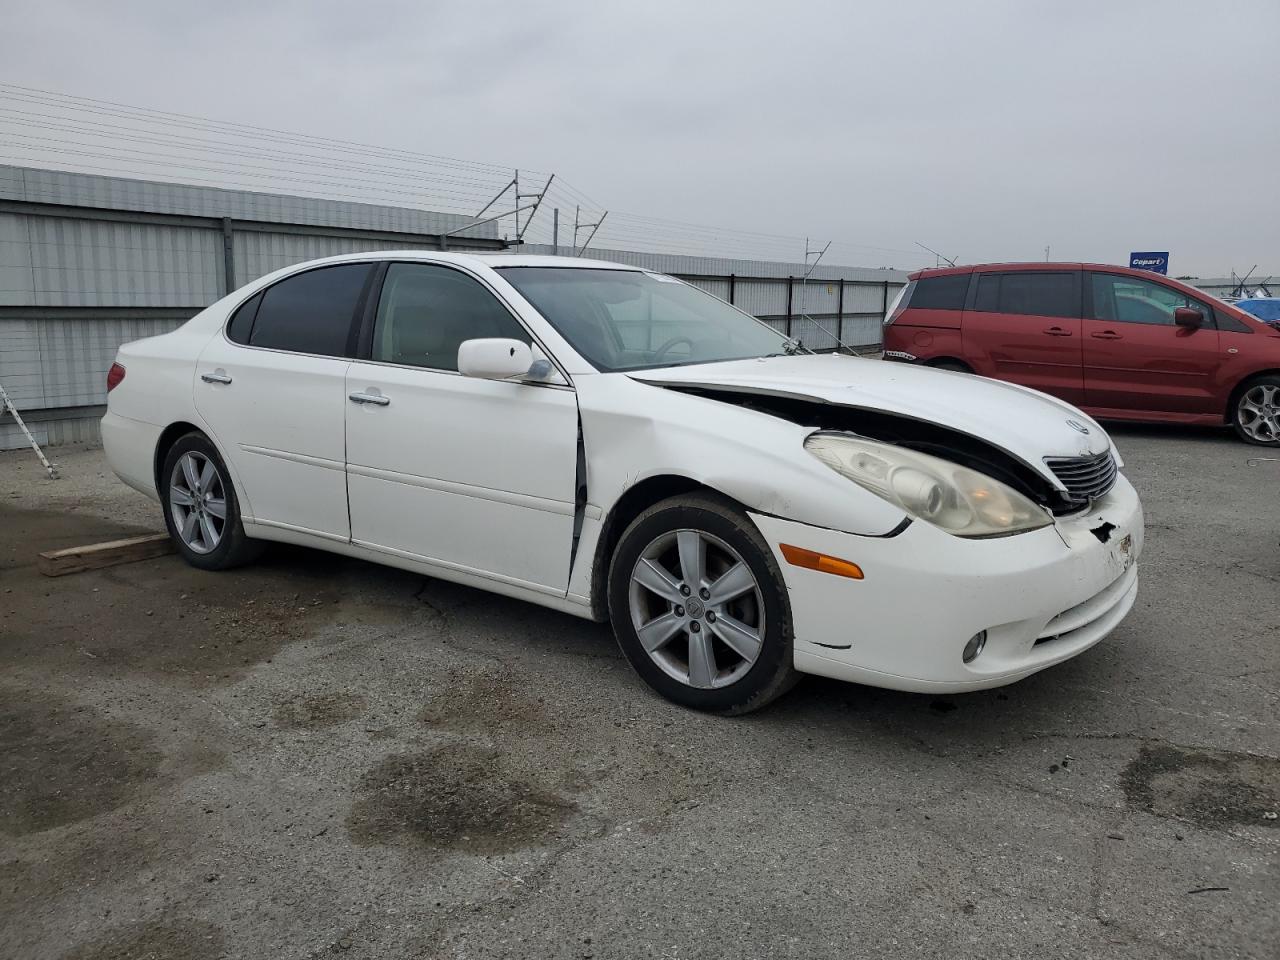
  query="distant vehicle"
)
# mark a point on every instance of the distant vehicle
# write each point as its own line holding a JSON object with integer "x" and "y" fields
{"x": 1121, "y": 344}
{"x": 617, "y": 444}
{"x": 1266, "y": 309}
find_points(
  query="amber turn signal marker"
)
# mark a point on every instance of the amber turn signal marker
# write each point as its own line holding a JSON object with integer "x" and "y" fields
{"x": 800, "y": 557}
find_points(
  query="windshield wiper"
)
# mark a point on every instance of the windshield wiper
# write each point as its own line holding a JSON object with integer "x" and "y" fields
{"x": 790, "y": 348}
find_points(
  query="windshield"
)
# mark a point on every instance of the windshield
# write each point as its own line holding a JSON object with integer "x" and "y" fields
{"x": 632, "y": 320}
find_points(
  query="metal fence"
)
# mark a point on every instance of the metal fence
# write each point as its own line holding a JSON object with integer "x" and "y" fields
{"x": 90, "y": 262}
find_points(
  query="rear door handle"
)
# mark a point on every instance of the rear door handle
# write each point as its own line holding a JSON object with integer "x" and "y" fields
{"x": 1106, "y": 335}
{"x": 1058, "y": 332}
{"x": 217, "y": 377}
{"x": 377, "y": 399}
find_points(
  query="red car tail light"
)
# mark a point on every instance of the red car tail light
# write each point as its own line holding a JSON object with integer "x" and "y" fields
{"x": 114, "y": 376}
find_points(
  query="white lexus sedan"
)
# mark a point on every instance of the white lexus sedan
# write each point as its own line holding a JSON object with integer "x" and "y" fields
{"x": 620, "y": 445}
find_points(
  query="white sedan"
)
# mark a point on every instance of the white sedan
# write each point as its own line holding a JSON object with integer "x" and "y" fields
{"x": 617, "y": 444}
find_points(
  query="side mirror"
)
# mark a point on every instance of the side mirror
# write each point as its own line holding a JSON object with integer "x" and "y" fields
{"x": 494, "y": 358}
{"x": 1188, "y": 317}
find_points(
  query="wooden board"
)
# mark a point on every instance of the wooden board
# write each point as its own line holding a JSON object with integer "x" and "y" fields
{"x": 57, "y": 563}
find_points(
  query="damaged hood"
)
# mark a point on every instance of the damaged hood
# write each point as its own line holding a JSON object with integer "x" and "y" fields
{"x": 1027, "y": 424}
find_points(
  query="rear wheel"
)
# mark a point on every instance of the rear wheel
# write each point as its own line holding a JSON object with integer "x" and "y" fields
{"x": 201, "y": 511}
{"x": 1257, "y": 411}
{"x": 699, "y": 607}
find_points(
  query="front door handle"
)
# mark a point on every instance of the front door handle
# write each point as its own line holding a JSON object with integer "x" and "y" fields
{"x": 217, "y": 377}
{"x": 1058, "y": 332}
{"x": 377, "y": 399}
{"x": 1106, "y": 335}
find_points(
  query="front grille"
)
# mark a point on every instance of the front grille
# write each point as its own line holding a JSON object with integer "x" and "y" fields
{"x": 1086, "y": 478}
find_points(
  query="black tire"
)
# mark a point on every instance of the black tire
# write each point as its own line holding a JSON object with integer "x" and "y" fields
{"x": 772, "y": 673}
{"x": 233, "y": 548}
{"x": 953, "y": 365}
{"x": 1241, "y": 418}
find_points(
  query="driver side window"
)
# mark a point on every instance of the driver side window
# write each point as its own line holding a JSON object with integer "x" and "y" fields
{"x": 427, "y": 310}
{"x": 1125, "y": 299}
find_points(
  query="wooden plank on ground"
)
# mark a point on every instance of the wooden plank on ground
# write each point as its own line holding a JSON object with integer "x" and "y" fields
{"x": 57, "y": 563}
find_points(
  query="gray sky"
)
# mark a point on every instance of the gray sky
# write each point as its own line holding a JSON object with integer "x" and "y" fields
{"x": 985, "y": 130}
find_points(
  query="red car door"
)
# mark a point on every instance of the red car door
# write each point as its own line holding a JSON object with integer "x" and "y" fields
{"x": 1024, "y": 327}
{"x": 1137, "y": 360}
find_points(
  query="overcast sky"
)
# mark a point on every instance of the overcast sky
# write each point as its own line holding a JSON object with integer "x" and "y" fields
{"x": 985, "y": 130}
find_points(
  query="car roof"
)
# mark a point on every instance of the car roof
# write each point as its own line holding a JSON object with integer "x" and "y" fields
{"x": 1035, "y": 265}
{"x": 493, "y": 260}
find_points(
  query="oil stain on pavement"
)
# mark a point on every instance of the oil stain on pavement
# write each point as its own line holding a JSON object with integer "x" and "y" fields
{"x": 66, "y": 762}
{"x": 1212, "y": 788}
{"x": 454, "y": 797}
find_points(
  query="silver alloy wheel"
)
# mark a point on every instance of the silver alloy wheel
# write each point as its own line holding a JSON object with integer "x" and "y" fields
{"x": 697, "y": 609}
{"x": 198, "y": 502}
{"x": 1258, "y": 413}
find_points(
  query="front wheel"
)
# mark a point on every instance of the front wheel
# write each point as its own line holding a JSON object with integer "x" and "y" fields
{"x": 699, "y": 607}
{"x": 1257, "y": 413}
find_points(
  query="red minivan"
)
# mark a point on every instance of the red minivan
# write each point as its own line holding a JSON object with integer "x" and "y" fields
{"x": 1120, "y": 344}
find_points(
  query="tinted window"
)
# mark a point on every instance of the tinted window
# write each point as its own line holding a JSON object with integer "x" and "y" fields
{"x": 1039, "y": 294}
{"x": 940, "y": 293}
{"x": 1229, "y": 323}
{"x": 241, "y": 322}
{"x": 1125, "y": 299}
{"x": 988, "y": 295}
{"x": 426, "y": 311}
{"x": 311, "y": 312}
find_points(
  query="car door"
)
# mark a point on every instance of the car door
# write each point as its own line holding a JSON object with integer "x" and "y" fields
{"x": 1136, "y": 359}
{"x": 272, "y": 392}
{"x": 476, "y": 475}
{"x": 1024, "y": 326}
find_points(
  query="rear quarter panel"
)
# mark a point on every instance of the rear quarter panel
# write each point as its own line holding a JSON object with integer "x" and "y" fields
{"x": 926, "y": 334}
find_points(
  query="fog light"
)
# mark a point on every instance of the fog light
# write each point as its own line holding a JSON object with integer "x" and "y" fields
{"x": 974, "y": 646}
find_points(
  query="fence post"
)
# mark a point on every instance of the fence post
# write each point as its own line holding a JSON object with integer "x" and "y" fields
{"x": 228, "y": 256}
{"x": 790, "y": 285}
{"x": 884, "y": 308}
{"x": 840, "y": 314}
{"x": 733, "y": 280}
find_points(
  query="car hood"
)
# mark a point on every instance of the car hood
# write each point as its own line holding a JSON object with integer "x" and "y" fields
{"x": 1027, "y": 424}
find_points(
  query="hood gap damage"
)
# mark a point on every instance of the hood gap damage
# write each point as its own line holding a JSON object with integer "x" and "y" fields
{"x": 931, "y": 438}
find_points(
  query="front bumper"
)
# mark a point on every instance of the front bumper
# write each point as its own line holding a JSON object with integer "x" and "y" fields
{"x": 1043, "y": 597}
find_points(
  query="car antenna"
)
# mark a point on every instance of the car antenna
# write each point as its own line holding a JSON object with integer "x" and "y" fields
{"x": 804, "y": 313}
{"x": 949, "y": 261}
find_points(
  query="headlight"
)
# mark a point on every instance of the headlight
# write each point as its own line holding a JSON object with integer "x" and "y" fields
{"x": 961, "y": 501}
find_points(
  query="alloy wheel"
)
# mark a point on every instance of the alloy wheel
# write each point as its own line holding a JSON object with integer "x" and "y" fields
{"x": 198, "y": 502}
{"x": 1258, "y": 413}
{"x": 697, "y": 609}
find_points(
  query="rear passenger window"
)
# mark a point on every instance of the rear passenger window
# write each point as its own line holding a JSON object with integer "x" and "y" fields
{"x": 940, "y": 293}
{"x": 1039, "y": 294}
{"x": 311, "y": 312}
{"x": 987, "y": 298}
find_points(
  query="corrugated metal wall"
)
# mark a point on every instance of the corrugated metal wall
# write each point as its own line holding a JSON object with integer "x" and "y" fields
{"x": 88, "y": 263}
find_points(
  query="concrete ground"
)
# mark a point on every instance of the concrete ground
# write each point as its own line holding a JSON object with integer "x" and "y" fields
{"x": 316, "y": 756}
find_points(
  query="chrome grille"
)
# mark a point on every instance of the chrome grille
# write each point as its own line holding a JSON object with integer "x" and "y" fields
{"x": 1086, "y": 478}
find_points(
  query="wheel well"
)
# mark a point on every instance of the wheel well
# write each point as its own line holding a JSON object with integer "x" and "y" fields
{"x": 633, "y": 502}
{"x": 1229, "y": 416}
{"x": 951, "y": 362}
{"x": 167, "y": 439}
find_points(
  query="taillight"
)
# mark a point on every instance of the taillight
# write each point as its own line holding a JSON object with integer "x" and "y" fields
{"x": 114, "y": 376}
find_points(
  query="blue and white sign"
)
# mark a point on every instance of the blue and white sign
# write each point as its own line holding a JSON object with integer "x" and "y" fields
{"x": 1157, "y": 262}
